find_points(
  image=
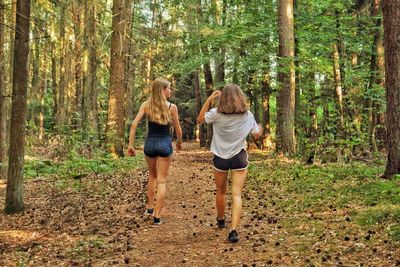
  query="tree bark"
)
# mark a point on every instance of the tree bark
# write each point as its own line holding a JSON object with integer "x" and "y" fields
{"x": 130, "y": 68}
{"x": 266, "y": 93}
{"x": 90, "y": 118}
{"x": 42, "y": 93}
{"x": 78, "y": 30}
{"x": 285, "y": 138}
{"x": 14, "y": 192}
{"x": 60, "y": 124}
{"x": 297, "y": 106}
{"x": 376, "y": 77}
{"x": 3, "y": 98}
{"x": 221, "y": 51}
{"x": 54, "y": 83}
{"x": 197, "y": 93}
{"x": 338, "y": 88}
{"x": 115, "y": 123}
{"x": 391, "y": 25}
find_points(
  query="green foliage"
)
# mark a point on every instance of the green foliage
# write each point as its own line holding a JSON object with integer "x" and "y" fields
{"x": 380, "y": 214}
{"x": 394, "y": 231}
{"x": 176, "y": 38}
{"x": 77, "y": 167}
{"x": 353, "y": 187}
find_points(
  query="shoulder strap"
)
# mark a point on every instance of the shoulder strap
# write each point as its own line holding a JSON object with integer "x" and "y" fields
{"x": 170, "y": 104}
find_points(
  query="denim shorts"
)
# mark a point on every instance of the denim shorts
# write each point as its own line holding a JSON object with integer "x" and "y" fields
{"x": 158, "y": 146}
{"x": 238, "y": 162}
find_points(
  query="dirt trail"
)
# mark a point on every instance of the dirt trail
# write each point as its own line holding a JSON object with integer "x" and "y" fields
{"x": 189, "y": 236}
{"x": 98, "y": 221}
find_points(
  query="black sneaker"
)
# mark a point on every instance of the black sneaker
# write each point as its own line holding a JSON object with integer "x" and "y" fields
{"x": 233, "y": 236}
{"x": 157, "y": 221}
{"x": 221, "y": 223}
{"x": 149, "y": 212}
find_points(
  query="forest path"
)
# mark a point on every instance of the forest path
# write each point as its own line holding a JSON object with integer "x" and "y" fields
{"x": 189, "y": 235}
{"x": 98, "y": 220}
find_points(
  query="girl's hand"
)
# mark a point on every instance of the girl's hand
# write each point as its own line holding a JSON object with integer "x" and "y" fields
{"x": 214, "y": 95}
{"x": 131, "y": 151}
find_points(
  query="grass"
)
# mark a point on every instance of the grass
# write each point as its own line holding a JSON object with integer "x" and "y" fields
{"x": 78, "y": 166}
{"x": 354, "y": 187}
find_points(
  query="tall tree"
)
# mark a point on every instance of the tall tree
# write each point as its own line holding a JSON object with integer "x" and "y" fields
{"x": 221, "y": 51}
{"x": 391, "y": 25}
{"x": 130, "y": 67}
{"x": 115, "y": 123}
{"x": 61, "y": 116}
{"x": 285, "y": 139}
{"x": 14, "y": 193}
{"x": 90, "y": 117}
{"x": 78, "y": 30}
{"x": 3, "y": 97}
{"x": 266, "y": 91}
{"x": 338, "y": 87}
{"x": 197, "y": 93}
{"x": 376, "y": 77}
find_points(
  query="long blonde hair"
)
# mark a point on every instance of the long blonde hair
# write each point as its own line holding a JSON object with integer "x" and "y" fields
{"x": 232, "y": 100}
{"x": 157, "y": 110}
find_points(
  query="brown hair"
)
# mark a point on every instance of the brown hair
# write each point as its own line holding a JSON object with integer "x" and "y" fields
{"x": 157, "y": 109}
{"x": 232, "y": 100}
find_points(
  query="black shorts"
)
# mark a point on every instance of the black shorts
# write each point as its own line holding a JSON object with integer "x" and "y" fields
{"x": 238, "y": 162}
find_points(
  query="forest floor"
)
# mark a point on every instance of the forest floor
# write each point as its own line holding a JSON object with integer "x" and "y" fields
{"x": 288, "y": 219}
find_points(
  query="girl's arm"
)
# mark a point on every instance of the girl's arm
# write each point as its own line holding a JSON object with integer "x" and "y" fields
{"x": 177, "y": 127}
{"x": 132, "y": 133}
{"x": 206, "y": 106}
{"x": 258, "y": 134}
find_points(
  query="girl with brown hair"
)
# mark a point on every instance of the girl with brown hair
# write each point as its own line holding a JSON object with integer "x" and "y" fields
{"x": 232, "y": 122}
{"x": 158, "y": 144}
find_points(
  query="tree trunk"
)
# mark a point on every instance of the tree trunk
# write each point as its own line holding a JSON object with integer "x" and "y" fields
{"x": 391, "y": 25}
{"x": 297, "y": 106}
{"x": 115, "y": 123}
{"x": 197, "y": 93}
{"x": 34, "y": 88}
{"x": 78, "y": 30}
{"x": 90, "y": 119}
{"x": 266, "y": 93}
{"x": 285, "y": 138}
{"x": 14, "y": 193}
{"x": 42, "y": 93}
{"x": 209, "y": 89}
{"x": 130, "y": 70}
{"x": 60, "y": 125}
{"x": 375, "y": 79}
{"x": 3, "y": 98}
{"x": 340, "y": 47}
{"x": 205, "y": 130}
{"x": 338, "y": 88}
{"x": 54, "y": 83}
{"x": 220, "y": 60}
{"x": 312, "y": 131}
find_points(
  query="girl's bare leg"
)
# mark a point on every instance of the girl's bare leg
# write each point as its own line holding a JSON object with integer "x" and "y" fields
{"x": 238, "y": 178}
{"x": 152, "y": 181}
{"x": 220, "y": 182}
{"x": 162, "y": 173}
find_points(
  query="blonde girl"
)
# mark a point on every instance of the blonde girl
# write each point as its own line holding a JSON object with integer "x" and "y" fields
{"x": 158, "y": 144}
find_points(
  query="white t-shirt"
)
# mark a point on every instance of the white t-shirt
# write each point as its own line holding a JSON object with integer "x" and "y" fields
{"x": 230, "y": 132}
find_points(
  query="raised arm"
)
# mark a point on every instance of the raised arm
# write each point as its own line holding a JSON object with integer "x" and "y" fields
{"x": 177, "y": 126}
{"x": 132, "y": 132}
{"x": 206, "y": 106}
